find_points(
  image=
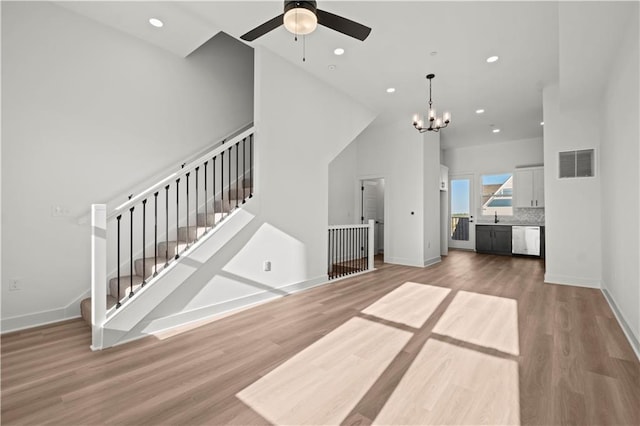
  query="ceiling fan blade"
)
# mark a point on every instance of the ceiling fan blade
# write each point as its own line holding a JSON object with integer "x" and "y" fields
{"x": 261, "y": 30}
{"x": 343, "y": 25}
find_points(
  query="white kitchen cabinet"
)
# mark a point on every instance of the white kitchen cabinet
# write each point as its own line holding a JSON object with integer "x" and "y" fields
{"x": 444, "y": 178}
{"x": 529, "y": 187}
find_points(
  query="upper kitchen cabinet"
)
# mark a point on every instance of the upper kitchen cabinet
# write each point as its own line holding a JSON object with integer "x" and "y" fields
{"x": 529, "y": 187}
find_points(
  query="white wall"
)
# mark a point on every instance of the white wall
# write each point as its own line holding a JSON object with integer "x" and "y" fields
{"x": 572, "y": 206}
{"x": 342, "y": 188}
{"x": 87, "y": 113}
{"x": 619, "y": 151}
{"x": 286, "y": 221}
{"x": 494, "y": 158}
{"x": 391, "y": 149}
{"x": 431, "y": 191}
{"x": 501, "y": 157}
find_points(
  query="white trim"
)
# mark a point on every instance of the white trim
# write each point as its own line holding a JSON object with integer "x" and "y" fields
{"x": 404, "y": 261}
{"x": 36, "y": 319}
{"x": 432, "y": 261}
{"x": 224, "y": 309}
{"x": 633, "y": 340}
{"x": 576, "y": 281}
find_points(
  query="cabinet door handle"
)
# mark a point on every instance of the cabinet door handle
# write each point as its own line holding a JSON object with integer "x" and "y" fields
{"x": 531, "y": 203}
{"x": 536, "y": 203}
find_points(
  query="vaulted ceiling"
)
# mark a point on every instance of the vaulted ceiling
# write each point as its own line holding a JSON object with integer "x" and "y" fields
{"x": 410, "y": 39}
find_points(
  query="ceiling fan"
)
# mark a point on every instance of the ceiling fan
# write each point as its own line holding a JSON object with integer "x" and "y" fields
{"x": 302, "y": 17}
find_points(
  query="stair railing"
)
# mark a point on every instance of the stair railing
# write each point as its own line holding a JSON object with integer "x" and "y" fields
{"x": 166, "y": 219}
{"x": 351, "y": 249}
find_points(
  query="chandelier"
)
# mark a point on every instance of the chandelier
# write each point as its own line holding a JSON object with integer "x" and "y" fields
{"x": 435, "y": 123}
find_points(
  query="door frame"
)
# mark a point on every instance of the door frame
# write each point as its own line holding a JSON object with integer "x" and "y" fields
{"x": 471, "y": 243}
{"x": 358, "y": 204}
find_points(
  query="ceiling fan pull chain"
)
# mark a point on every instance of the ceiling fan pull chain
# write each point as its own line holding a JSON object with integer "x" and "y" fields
{"x": 304, "y": 48}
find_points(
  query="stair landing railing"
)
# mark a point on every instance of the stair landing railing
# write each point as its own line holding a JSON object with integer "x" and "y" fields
{"x": 351, "y": 249}
{"x": 143, "y": 235}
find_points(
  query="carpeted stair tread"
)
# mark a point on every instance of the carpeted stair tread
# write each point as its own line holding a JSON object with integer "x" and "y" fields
{"x": 125, "y": 285}
{"x": 85, "y": 307}
{"x": 151, "y": 265}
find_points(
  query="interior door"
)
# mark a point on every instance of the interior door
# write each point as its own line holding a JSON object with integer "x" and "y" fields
{"x": 461, "y": 227}
{"x": 373, "y": 208}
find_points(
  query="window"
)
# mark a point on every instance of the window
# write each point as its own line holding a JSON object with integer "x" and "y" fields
{"x": 497, "y": 194}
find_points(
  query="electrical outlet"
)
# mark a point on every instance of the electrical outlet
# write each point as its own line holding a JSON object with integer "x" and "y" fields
{"x": 266, "y": 266}
{"x": 60, "y": 211}
{"x": 15, "y": 284}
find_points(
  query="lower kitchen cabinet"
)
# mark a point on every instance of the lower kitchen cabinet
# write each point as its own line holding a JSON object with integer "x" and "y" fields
{"x": 493, "y": 239}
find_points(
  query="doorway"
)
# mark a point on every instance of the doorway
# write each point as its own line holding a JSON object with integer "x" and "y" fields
{"x": 372, "y": 207}
{"x": 461, "y": 227}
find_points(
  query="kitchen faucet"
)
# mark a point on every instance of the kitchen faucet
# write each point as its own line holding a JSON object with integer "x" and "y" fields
{"x": 495, "y": 220}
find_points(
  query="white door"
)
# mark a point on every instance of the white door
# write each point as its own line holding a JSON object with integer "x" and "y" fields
{"x": 461, "y": 227}
{"x": 373, "y": 208}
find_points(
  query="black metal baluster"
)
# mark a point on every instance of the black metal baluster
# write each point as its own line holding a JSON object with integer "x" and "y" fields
{"x": 244, "y": 169}
{"x": 166, "y": 230}
{"x": 177, "y": 222}
{"x": 144, "y": 242}
{"x": 341, "y": 251}
{"x": 155, "y": 237}
{"x": 251, "y": 166}
{"x": 229, "y": 182}
{"x": 214, "y": 191}
{"x": 197, "y": 168}
{"x": 350, "y": 250}
{"x": 188, "y": 230}
{"x": 237, "y": 174}
{"x": 118, "y": 260}
{"x": 366, "y": 245}
{"x": 222, "y": 183}
{"x": 131, "y": 252}
{"x": 206, "y": 199}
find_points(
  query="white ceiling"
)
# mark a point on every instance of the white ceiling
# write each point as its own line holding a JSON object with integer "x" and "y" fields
{"x": 398, "y": 53}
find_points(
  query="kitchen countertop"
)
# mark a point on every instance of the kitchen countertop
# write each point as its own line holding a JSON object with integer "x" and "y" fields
{"x": 510, "y": 224}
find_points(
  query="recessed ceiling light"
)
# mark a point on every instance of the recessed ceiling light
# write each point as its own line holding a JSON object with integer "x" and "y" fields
{"x": 542, "y": 123}
{"x": 479, "y": 111}
{"x": 156, "y": 22}
{"x": 491, "y": 59}
{"x": 496, "y": 130}
{"x": 332, "y": 67}
{"x": 339, "y": 51}
{"x": 391, "y": 89}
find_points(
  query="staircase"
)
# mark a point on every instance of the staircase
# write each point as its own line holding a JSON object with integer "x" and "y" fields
{"x": 146, "y": 268}
{"x": 141, "y": 239}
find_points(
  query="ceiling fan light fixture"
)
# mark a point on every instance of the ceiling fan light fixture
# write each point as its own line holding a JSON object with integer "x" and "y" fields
{"x": 300, "y": 21}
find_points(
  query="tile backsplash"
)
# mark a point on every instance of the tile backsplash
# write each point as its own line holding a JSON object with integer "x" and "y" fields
{"x": 521, "y": 216}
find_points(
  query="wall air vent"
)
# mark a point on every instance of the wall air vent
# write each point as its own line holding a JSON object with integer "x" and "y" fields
{"x": 576, "y": 164}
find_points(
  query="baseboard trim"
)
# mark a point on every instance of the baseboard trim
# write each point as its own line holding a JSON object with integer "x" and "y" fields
{"x": 37, "y": 319}
{"x": 432, "y": 261}
{"x": 404, "y": 262}
{"x": 211, "y": 313}
{"x": 633, "y": 341}
{"x": 575, "y": 281}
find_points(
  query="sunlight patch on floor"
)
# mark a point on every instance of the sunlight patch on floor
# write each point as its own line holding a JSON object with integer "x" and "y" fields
{"x": 324, "y": 382}
{"x": 484, "y": 320}
{"x": 411, "y": 304}
{"x": 448, "y": 384}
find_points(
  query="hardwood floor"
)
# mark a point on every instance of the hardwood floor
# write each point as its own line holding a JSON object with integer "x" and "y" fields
{"x": 490, "y": 344}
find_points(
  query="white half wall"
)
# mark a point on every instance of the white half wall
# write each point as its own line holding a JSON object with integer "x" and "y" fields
{"x": 88, "y": 112}
{"x": 619, "y": 159}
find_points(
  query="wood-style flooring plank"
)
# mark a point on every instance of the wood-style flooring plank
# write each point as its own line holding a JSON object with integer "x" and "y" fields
{"x": 573, "y": 364}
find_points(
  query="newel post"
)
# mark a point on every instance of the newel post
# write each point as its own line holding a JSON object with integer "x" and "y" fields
{"x": 372, "y": 244}
{"x": 98, "y": 273}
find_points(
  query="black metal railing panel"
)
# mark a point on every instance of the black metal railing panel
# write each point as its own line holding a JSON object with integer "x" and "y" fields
{"x": 230, "y": 185}
{"x": 348, "y": 250}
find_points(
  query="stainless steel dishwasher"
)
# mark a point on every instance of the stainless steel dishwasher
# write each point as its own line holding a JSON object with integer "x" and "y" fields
{"x": 525, "y": 240}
